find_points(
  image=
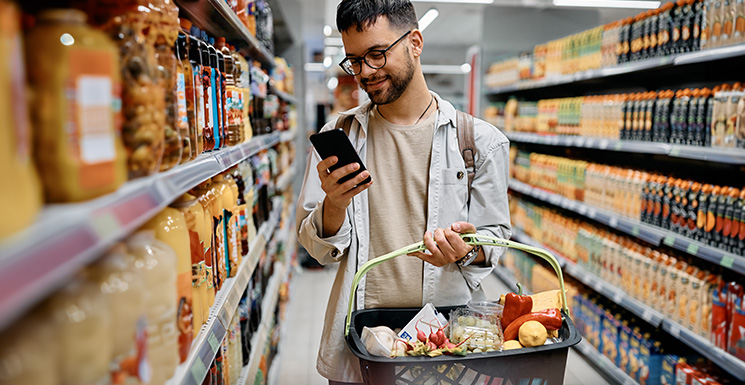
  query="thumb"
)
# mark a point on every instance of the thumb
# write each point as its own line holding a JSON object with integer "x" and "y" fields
{"x": 463, "y": 228}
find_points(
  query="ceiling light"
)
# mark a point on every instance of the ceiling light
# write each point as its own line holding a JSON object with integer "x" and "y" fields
{"x": 327, "y": 61}
{"x": 327, "y": 30}
{"x": 455, "y": 1}
{"x": 608, "y": 4}
{"x": 314, "y": 67}
{"x": 333, "y": 41}
{"x": 446, "y": 69}
{"x": 428, "y": 18}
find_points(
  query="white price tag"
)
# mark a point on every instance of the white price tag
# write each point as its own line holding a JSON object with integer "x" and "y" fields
{"x": 613, "y": 222}
{"x": 647, "y": 315}
{"x": 618, "y": 297}
{"x": 674, "y": 331}
{"x": 582, "y": 210}
{"x": 591, "y": 213}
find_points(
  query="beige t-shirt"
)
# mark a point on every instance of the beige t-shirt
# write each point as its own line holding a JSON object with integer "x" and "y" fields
{"x": 398, "y": 158}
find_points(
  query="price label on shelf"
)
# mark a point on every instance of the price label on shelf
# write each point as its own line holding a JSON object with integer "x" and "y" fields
{"x": 674, "y": 331}
{"x": 618, "y": 146}
{"x": 692, "y": 248}
{"x": 214, "y": 343}
{"x": 635, "y": 231}
{"x": 669, "y": 240}
{"x": 618, "y": 296}
{"x": 647, "y": 315}
{"x": 675, "y": 151}
{"x": 603, "y": 144}
{"x": 591, "y": 213}
{"x": 582, "y": 210}
{"x": 727, "y": 261}
{"x": 105, "y": 225}
{"x": 198, "y": 371}
{"x": 613, "y": 222}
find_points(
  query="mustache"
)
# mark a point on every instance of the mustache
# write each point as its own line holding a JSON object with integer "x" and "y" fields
{"x": 372, "y": 80}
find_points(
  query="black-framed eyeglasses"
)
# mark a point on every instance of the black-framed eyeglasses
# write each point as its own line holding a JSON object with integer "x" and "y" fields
{"x": 374, "y": 59}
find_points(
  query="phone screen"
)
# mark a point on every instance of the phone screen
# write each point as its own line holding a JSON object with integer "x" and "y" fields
{"x": 336, "y": 143}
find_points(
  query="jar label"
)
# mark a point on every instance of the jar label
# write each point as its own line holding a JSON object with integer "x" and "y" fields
{"x": 181, "y": 95}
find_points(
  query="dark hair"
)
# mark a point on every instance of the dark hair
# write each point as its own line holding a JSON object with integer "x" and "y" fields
{"x": 363, "y": 13}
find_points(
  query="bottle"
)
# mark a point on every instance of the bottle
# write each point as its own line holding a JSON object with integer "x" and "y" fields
{"x": 201, "y": 192}
{"x": 79, "y": 150}
{"x": 21, "y": 200}
{"x": 728, "y": 22}
{"x": 721, "y": 207}
{"x": 741, "y": 219}
{"x": 224, "y": 97}
{"x": 739, "y": 34}
{"x": 162, "y": 32}
{"x": 207, "y": 93}
{"x": 232, "y": 98}
{"x": 699, "y": 133}
{"x": 716, "y": 18}
{"x": 654, "y": 25}
{"x": 157, "y": 263}
{"x": 169, "y": 227}
{"x": 185, "y": 99}
{"x": 194, "y": 215}
{"x": 225, "y": 193}
{"x": 622, "y": 49}
{"x": 196, "y": 93}
{"x": 664, "y": 29}
{"x": 234, "y": 227}
{"x": 216, "y": 107}
{"x": 690, "y": 137}
{"x": 703, "y": 204}
{"x": 648, "y": 115}
{"x": 667, "y": 201}
{"x": 691, "y": 228}
{"x": 123, "y": 288}
{"x": 706, "y": 11}
{"x": 710, "y": 122}
{"x": 219, "y": 253}
{"x": 731, "y": 227}
{"x": 698, "y": 24}
{"x": 677, "y": 23}
{"x": 686, "y": 26}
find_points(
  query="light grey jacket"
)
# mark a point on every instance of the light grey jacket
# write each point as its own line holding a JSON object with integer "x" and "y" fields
{"x": 447, "y": 197}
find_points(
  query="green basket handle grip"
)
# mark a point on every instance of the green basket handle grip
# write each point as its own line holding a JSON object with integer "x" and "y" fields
{"x": 471, "y": 239}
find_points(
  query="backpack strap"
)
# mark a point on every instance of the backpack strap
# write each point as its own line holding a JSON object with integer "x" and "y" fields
{"x": 344, "y": 122}
{"x": 467, "y": 145}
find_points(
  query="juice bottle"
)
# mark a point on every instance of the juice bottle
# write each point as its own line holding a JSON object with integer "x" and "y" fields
{"x": 83, "y": 332}
{"x": 27, "y": 354}
{"x": 716, "y": 23}
{"x": 21, "y": 199}
{"x": 187, "y": 120}
{"x": 194, "y": 215}
{"x": 196, "y": 94}
{"x": 157, "y": 264}
{"x": 223, "y": 96}
{"x": 691, "y": 228}
{"x": 739, "y": 34}
{"x": 218, "y": 252}
{"x": 698, "y": 24}
{"x": 123, "y": 288}
{"x": 686, "y": 27}
{"x": 234, "y": 226}
{"x": 664, "y": 28}
{"x": 170, "y": 228}
{"x": 79, "y": 151}
{"x": 691, "y": 126}
{"x": 700, "y": 133}
{"x": 207, "y": 92}
{"x": 740, "y": 215}
{"x": 648, "y": 115}
{"x": 677, "y": 23}
{"x": 232, "y": 98}
{"x": 728, "y": 226}
{"x": 653, "y": 26}
{"x": 231, "y": 251}
{"x": 216, "y": 107}
{"x": 201, "y": 192}
{"x": 728, "y": 22}
{"x": 162, "y": 32}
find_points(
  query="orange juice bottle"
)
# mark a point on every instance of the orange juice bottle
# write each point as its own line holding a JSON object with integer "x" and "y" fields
{"x": 194, "y": 215}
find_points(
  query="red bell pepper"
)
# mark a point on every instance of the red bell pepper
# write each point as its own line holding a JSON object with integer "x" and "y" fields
{"x": 514, "y": 306}
{"x": 550, "y": 318}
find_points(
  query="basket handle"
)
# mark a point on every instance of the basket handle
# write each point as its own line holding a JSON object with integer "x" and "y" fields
{"x": 471, "y": 239}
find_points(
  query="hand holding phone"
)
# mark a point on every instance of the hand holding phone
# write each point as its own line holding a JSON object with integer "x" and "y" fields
{"x": 341, "y": 171}
{"x": 336, "y": 143}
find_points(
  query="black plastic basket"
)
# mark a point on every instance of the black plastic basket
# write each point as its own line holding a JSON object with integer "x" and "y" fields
{"x": 541, "y": 365}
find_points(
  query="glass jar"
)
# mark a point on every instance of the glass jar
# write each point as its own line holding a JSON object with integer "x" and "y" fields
{"x": 20, "y": 200}
{"x": 83, "y": 331}
{"x": 78, "y": 148}
{"x": 143, "y": 98}
{"x": 156, "y": 262}
{"x": 185, "y": 95}
{"x": 162, "y": 33}
{"x": 170, "y": 228}
{"x": 124, "y": 291}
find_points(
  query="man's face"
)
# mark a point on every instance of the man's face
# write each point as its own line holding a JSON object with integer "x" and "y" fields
{"x": 384, "y": 85}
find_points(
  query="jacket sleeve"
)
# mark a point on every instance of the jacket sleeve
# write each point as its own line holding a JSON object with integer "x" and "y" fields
{"x": 489, "y": 208}
{"x": 309, "y": 219}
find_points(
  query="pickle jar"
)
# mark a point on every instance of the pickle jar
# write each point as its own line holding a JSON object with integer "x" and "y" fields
{"x": 73, "y": 71}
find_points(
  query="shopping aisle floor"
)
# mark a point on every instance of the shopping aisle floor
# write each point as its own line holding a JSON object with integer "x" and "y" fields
{"x": 309, "y": 290}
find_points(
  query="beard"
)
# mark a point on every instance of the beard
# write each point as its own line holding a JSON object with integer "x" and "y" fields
{"x": 398, "y": 84}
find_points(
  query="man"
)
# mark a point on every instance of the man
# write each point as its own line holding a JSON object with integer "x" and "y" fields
{"x": 407, "y": 138}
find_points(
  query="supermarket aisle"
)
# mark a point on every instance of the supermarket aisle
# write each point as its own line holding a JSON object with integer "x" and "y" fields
{"x": 302, "y": 332}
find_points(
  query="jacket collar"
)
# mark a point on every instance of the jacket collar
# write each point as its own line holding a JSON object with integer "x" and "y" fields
{"x": 446, "y": 112}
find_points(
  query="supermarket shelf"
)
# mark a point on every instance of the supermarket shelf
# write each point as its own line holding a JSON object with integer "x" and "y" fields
{"x": 287, "y": 136}
{"x": 282, "y": 95}
{"x": 216, "y": 17}
{"x": 285, "y": 180}
{"x": 726, "y": 361}
{"x": 652, "y": 234}
{"x": 699, "y": 57}
{"x": 709, "y": 154}
{"x": 260, "y": 338}
{"x": 591, "y": 280}
{"x": 207, "y": 342}
{"x": 602, "y": 363}
{"x": 75, "y": 234}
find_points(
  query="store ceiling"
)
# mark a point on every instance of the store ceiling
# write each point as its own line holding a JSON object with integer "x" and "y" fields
{"x": 459, "y": 25}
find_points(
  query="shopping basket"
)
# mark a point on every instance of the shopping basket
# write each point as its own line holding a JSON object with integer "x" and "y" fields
{"x": 541, "y": 365}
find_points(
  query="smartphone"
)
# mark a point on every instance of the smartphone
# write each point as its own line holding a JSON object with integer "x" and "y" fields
{"x": 336, "y": 143}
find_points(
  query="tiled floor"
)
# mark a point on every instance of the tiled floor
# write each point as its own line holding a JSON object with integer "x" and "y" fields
{"x": 309, "y": 290}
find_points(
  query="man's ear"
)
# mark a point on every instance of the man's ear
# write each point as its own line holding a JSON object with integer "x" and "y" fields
{"x": 417, "y": 42}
